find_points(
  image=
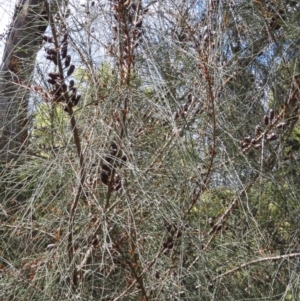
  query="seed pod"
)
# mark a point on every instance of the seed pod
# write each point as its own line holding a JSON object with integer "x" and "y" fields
{"x": 258, "y": 130}
{"x": 266, "y": 119}
{"x": 179, "y": 233}
{"x": 174, "y": 230}
{"x": 244, "y": 145}
{"x": 73, "y": 98}
{"x": 70, "y": 70}
{"x": 67, "y": 61}
{"x": 274, "y": 24}
{"x": 219, "y": 227}
{"x": 281, "y": 125}
{"x": 272, "y": 137}
{"x": 57, "y": 89}
{"x": 168, "y": 227}
{"x": 73, "y": 91}
{"x": 124, "y": 158}
{"x": 47, "y": 39}
{"x": 64, "y": 39}
{"x": 185, "y": 107}
{"x": 77, "y": 99}
{"x": 64, "y": 52}
{"x": 64, "y": 87}
{"x": 292, "y": 101}
{"x": 139, "y": 23}
{"x": 51, "y": 51}
{"x": 71, "y": 83}
{"x": 106, "y": 167}
{"x": 271, "y": 114}
{"x": 117, "y": 178}
{"x": 117, "y": 186}
{"x": 58, "y": 97}
{"x": 113, "y": 151}
{"x": 108, "y": 159}
{"x": 95, "y": 242}
{"x": 52, "y": 58}
{"x": 53, "y": 75}
{"x": 253, "y": 141}
{"x": 104, "y": 177}
{"x": 51, "y": 81}
{"x": 64, "y": 49}
{"x": 170, "y": 245}
{"x": 170, "y": 239}
{"x": 247, "y": 139}
{"x": 257, "y": 146}
{"x": 114, "y": 145}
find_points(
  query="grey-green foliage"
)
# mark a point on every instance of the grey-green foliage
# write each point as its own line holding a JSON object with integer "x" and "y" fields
{"x": 198, "y": 215}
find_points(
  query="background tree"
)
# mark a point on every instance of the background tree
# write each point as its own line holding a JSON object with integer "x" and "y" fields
{"x": 23, "y": 41}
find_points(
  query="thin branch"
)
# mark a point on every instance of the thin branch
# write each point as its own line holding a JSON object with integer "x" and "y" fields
{"x": 255, "y": 261}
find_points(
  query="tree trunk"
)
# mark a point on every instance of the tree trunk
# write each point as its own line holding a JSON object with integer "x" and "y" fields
{"x": 23, "y": 41}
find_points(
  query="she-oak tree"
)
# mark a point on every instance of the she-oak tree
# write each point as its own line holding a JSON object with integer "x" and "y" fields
{"x": 161, "y": 160}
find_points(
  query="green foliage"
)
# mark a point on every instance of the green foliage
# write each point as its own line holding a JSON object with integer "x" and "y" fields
{"x": 49, "y": 127}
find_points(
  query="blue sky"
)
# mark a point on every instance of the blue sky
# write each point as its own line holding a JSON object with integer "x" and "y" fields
{"x": 6, "y": 13}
